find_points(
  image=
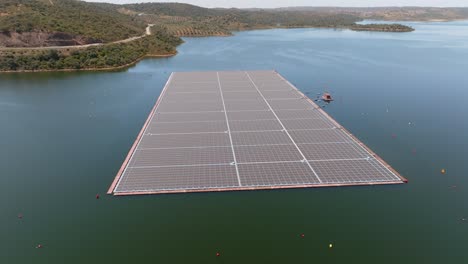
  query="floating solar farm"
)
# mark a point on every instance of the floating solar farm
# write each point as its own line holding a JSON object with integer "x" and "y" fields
{"x": 243, "y": 130}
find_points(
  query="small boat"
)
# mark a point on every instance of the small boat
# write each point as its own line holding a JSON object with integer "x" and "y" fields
{"x": 327, "y": 97}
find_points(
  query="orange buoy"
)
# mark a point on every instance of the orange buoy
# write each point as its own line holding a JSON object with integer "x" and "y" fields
{"x": 442, "y": 171}
{"x": 20, "y": 216}
{"x": 97, "y": 196}
{"x": 302, "y": 235}
{"x": 218, "y": 254}
{"x": 39, "y": 246}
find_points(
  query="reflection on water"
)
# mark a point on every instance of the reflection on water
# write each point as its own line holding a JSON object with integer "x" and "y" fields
{"x": 63, "y": 137}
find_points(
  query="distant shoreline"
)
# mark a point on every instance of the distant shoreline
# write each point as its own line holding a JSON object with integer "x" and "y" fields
{"x": 52, "y": 35}
{"x": 116, "y": 68}
{"x": 416, "y": 21}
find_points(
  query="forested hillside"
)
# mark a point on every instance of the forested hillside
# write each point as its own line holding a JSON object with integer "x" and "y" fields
{"x": 96, "y": 57}
{"x": 31, "y": 22}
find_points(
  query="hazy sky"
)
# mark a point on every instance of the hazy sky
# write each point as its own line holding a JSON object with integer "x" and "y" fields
{"x": 283, "y": 3}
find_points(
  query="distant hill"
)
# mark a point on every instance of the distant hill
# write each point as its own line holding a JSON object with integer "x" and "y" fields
{"x": 190, "y": 20}
{"x": 63, "y": 22}
{"x": 391, "y": 13}
{"x": 176, "y": 9}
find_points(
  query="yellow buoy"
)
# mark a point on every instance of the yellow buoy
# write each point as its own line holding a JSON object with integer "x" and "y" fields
{"x": 330, "y": 246}
{"x": 442, "y": 171}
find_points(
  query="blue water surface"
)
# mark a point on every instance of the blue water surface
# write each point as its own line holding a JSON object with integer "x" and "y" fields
{"x": 63, "y": 137}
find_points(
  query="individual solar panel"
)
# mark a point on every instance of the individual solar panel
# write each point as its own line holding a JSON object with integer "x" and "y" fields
{"x": 290, "y": 104}
{"x": 213, "y": 96}
{"x": 246, "y": 105}
{"x": 289, "y": 94}
{"x": 267, "y": 153}
{"x": 177, "y": 178}
{"x": 199, "y": 88}
{"x": 319, "y": 136}
{"x": 306, "y": 124}
{"x": 187, "y": 127}
{"x": 220, "y": 131}
{"x": 156, "y": 157}
{"x": 190, "y": 107}
{"x": 299, "y": 114}
{"x": 251, "y": 115}
{"x": 261, "y": 138}
{"x": 242, "y": 95}
{"x": 351, "y": 171}
{"x": 254, "y": 125}
{"x": 276, "y": 174}
{"x": 184, "y": 140}
{"x": 273, "y": 86}
{"x": 332, "y": 151}
{"x": 189, "y": 117}
{"x": 239, "y": 88}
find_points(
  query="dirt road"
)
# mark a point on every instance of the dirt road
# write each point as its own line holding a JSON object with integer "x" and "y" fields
{"x": 147, "y": 33}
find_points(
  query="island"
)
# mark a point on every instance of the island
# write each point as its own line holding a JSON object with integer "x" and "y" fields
{"x": 382, "y": 27}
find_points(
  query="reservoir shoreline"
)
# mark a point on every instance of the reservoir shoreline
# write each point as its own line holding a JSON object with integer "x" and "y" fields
{"x": 98, "y": 69}
{"x": 120, "y": 67}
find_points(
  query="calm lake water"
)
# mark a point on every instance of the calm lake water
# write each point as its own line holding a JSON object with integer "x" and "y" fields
{"x": 63, "y": 137}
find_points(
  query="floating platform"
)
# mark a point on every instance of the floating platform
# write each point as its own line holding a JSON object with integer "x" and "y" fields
{"x": 243, "y": 130}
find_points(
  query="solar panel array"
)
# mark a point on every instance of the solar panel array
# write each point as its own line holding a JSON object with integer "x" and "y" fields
{"x": 214, "y": 131}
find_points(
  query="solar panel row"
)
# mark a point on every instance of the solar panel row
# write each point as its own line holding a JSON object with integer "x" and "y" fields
{"x": 242, "y": 130}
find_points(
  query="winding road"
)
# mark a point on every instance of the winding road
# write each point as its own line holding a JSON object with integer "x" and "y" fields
{"x": 147, "y": 33}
